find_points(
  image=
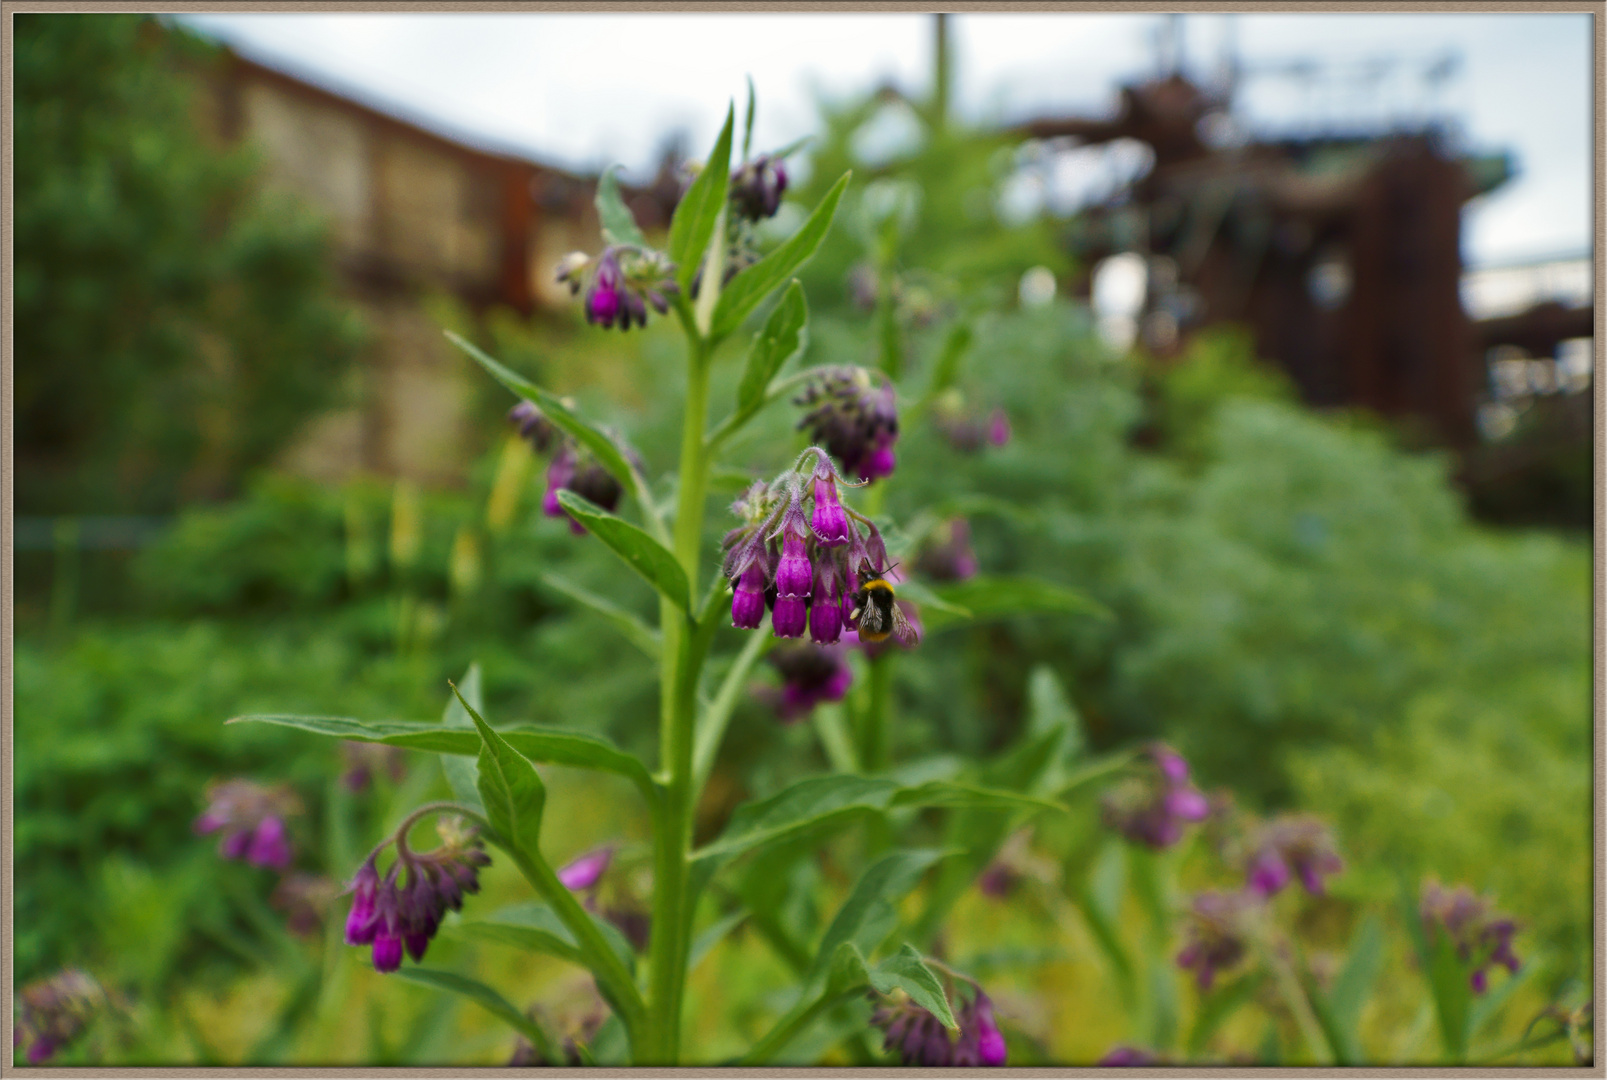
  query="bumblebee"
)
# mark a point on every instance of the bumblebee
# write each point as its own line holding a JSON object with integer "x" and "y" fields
{"x": 875, "y": 616}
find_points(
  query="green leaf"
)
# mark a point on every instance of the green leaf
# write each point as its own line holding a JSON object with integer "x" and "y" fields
{"x": 601, "y": 445}
{"x": 783, "y": 337}
{"x": 619, "y": 224}
{"x": 818, "y": 801}
{"x": 805, "y": 805}
{"x": 930, "y": 602}
{"x": 1216, "y": 1008}
{"x": 557, "y": 746}
{"x": 699, "y": 209}
{"x": 750, "y": 287}
{"x": 649, "y": 558}
{"x": 487, "y": 998}
{"x": 705, "y": 942}
{"x": 999, "y": 596}
{"x": 637, "y": 632}
{"x": 463, "y": 775}
{"x": 747, "y": 121}
{"x": 536, "y": 927}
{"x": 533, "y": 927}
{"x": 906, "y": 971}
{"x": 1352, "y": 986}
{"x": 512, "y": 792}
{"x": 950, "y": 793}
{"x": 870, "y": 913}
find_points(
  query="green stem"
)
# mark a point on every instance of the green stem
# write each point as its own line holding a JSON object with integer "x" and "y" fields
{"x": 874, "y": 751}
{"x": 1295, "y": 996}
{"x": 718, "y": 714}
{"x": 786, "y": 1029}
{"x": 613, "y": 977}
{"x": 682, "y": 659}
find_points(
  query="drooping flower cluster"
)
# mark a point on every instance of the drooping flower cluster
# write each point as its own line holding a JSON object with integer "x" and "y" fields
{"x": 920, "y": 1038}
{"x": 1218, "y": 934}
{"x": 946, "y": 554}
{"x": 404, "y": 909}
{"x": 964, "y": 430}
{"x": 803, "y": 565}
{"x": 572, "y": 467}
{"x": 366, "y": 760}
{"x": 619, "y": 283}
{"x": 853, "y": 413}
{"x": 810, "y": 675}
{"x": 1153, "y": 807}
{"x": 251, "y": 817}
{"x": 757, "y": 186}
{"x": 53, "y": 1012}
{"x": 1292, "y": 846}
{"x": 584, "y": 874}
{"x": 579, "y": 1014}
{"x": 1482, "y": 936}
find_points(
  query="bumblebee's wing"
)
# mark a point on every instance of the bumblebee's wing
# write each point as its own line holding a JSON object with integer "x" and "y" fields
{"x": 870, "y": 618}
{"x": 901, "y": 626}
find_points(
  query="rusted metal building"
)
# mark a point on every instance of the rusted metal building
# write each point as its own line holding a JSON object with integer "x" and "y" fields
{"x": 414, "y": 213}
{"x": 1341, "y": 252}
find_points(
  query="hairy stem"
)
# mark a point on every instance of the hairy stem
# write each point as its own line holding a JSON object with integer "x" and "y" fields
{"x": 682, "y": 661}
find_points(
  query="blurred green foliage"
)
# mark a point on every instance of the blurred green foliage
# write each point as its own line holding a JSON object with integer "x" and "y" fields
{"x": 1302, "y": 606}
{"x": 174, "y": 320}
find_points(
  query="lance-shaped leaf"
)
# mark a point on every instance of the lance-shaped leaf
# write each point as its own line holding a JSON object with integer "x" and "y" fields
{"x": 906, "y": 971}
{"x": 699, "y": 209}
{"x": 869, "y": 914}
{"x": 619, "y": 224}
{"x": 750, "y": 287}
{"x": 512, "y": 792}
{"x": 636, "y": 631}
{"x": 555, "y": 746}
{"x": 487, "y": 998}
{"x": 462, "y": 773}
{"x": 992, "y": 597}
{"x": 783, "y": 336}
{"x": 821, "y": 801}
{"x": 601, "y": 445}
{"x": 649, "y": 558}
{"x": 536, "y": 927}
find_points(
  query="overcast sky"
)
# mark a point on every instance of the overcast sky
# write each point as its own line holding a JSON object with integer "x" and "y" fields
{"x": 583, "y": 90}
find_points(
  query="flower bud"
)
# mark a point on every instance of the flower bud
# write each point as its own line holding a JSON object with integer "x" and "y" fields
{"x": 747, "y": 602}
{"x": 794, "y": 575}
{"x": 584, "y": 872}
{"x": 830, "y": 520}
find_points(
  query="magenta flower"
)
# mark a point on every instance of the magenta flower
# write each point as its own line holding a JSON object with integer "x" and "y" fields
{"x": 251, "y": 817}
{"x": 810, "y": 675}
{"x": 747, "y": 602}
{"x": 1217, "y": 935}
{"x": 919, "y": 1037}
{"x": 1482, "y": 937}
{"x": 757, "y": 186}
{"x": 1292, "y": 847}
{"x": 585, "y": 871}
{"x": 1153, "y": 806}
{"x": 53, "y": 1012}
{"x": 402, "y": 911}
{"x": 620, "y": 283}
{"x": 854, "y": 415}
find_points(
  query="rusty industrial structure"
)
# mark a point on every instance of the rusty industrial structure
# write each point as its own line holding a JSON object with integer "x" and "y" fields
{"x": 1342, "y": 253}
{"x": 414, "y": 214}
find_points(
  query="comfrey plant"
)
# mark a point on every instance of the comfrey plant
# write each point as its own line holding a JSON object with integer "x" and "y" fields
{"x": 803, "y": 556}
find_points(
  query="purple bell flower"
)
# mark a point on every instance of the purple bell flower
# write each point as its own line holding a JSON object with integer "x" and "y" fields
{"x": 51, "y": 1013}
{"x": 585, "y": 871}
{"x": 251, "y": 817}
{"x": 1217, "y": 937}
{"x": 747, "y": 602}
{"x": 1153, "y": 806}
{"x": 789, "y": 616}
{"x": 1291, "y": 847}
{"x": 1482, "y": 937}
{"x": 399, "y": 918}
{"x": 830, "y": 520}
{"x": 810, "y": 675}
